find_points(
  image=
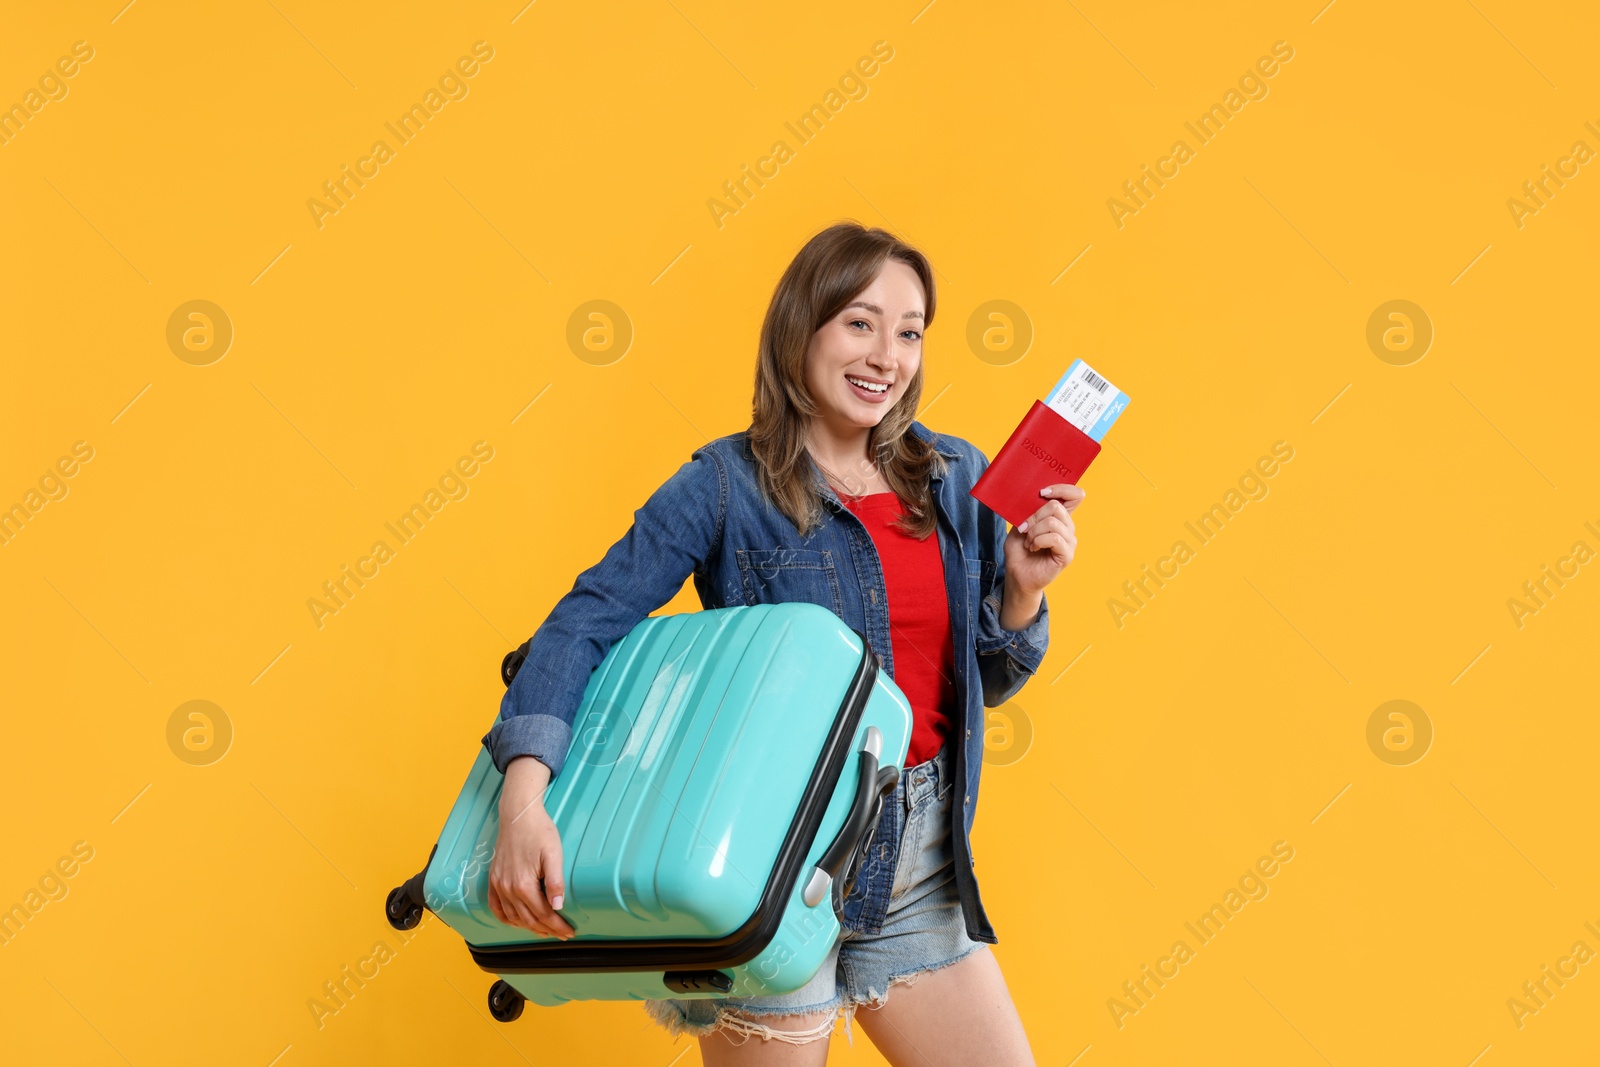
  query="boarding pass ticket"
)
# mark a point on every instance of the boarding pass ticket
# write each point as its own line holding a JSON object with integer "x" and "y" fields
{"x": 1087, "y": 400}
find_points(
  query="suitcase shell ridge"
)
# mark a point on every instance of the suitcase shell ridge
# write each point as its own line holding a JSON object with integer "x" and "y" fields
{"x": 695, "y": 742}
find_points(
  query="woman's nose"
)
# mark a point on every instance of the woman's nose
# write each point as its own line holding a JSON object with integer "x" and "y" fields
{"x": 882, "y": 357}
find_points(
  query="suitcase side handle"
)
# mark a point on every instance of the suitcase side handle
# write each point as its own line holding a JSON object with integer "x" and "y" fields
{"x": 871, "y": 787}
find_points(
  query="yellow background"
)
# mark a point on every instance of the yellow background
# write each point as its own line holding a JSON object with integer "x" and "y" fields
{"x": 432, "y": 310}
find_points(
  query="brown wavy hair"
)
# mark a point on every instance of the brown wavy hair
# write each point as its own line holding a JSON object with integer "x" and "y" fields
{"x": 829, "y": 272}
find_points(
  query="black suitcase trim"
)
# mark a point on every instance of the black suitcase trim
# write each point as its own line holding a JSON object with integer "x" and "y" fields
{"x": 752, "y": 937}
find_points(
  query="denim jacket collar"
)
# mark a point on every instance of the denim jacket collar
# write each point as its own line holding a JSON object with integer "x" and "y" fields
{"x": 826, "y": 490}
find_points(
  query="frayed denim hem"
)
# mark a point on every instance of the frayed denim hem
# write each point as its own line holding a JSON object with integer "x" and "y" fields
{"x": 739, "y": 1021}
{"x": 874, "y": 1001}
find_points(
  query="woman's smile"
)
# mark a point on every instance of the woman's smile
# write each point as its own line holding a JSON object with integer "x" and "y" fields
{"x": 872, "y": 390}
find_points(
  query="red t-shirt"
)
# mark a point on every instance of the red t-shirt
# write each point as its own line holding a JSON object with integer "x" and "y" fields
{"x": 919, "y": 622}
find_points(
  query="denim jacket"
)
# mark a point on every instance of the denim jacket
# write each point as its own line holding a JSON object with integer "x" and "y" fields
{"x": 712, "y": 521}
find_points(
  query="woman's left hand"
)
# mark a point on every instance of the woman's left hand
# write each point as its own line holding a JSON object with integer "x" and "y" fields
{"x": 1039, "y": 549}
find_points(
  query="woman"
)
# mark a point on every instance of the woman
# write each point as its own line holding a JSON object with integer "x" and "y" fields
{"x": 830, "y": 496}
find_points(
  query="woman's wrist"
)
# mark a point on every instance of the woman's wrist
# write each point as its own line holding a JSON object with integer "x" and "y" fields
{"x": 1019, "y": 609}
{"x": 527, "y": 778}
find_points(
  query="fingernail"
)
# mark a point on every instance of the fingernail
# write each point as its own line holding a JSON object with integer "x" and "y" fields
{"x": 556, "y": 903}
{"x": 1045, "y": 491}
{"x": 1023, "y": 528}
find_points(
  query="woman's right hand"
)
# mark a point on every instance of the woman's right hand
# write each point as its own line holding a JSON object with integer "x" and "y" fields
{"x": 525, "y": 887}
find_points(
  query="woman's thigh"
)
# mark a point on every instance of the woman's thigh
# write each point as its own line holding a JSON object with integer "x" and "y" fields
{"x": 955, "y": 1015}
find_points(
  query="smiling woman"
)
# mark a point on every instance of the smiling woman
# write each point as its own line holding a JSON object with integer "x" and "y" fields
{"x": 870, "y": 356}
{"x": 834, "y": 496}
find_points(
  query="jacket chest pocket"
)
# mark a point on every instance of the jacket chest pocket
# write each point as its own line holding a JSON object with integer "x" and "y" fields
{"x": 786, "y": 575}
{"x": 980, "y": 580}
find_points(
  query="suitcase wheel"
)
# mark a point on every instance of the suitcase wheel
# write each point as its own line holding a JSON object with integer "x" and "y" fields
{"x": 505, "y": 1003}
{"x": 402, "y": 912}
{"x": 513, "y": 662}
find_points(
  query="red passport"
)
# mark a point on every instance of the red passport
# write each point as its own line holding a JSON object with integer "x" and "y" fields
{"x": 1044, "y": 449}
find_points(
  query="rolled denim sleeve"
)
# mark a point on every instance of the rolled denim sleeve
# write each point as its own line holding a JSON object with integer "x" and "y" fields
{"x": 674, "y": 534}
{"x": 1007, "y": 658}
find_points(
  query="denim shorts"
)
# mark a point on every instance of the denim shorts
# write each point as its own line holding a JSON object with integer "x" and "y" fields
{"x": 924, "y": 931}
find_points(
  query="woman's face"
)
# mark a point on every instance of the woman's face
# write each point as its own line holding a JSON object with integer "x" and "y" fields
{"x": 876, "y": 340}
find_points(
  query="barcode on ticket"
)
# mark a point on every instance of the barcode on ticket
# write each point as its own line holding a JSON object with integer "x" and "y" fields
{"x": 1087, "y": 400}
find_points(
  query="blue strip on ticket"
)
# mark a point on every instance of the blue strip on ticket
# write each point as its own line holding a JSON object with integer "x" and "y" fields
{"x": 1087, "y": 400}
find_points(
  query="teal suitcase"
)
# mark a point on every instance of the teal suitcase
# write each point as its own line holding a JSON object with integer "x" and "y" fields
{"x": 726, "y": 772}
